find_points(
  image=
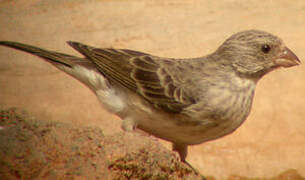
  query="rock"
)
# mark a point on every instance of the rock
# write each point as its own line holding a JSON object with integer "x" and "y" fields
{"x": 37, "y": 149}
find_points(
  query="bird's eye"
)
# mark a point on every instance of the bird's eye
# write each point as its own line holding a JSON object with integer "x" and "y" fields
{"x": 266, "y": 48}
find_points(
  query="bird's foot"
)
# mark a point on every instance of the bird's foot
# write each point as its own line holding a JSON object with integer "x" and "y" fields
{"x": 194, "y": 169}
{"x": 182, "y": 151}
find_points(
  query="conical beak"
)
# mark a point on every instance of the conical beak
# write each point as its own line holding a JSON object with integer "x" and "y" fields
{"x": 287, "y": 58}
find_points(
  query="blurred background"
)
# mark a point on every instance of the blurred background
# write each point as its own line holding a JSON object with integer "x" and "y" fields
{"x": 272, "y": 139}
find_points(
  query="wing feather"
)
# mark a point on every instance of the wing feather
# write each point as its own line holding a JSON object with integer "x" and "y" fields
{"x": 140, "y": 72}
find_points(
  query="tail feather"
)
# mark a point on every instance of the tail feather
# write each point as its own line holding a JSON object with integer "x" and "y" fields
{"x": 81, "y": 69}
{"x": 50, "y": 56}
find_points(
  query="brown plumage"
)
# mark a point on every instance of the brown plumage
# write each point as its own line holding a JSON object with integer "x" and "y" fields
{"x": 184, "y": 101}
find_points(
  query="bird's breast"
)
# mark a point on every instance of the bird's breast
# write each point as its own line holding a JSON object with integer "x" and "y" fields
{"x": 229, "y": 106}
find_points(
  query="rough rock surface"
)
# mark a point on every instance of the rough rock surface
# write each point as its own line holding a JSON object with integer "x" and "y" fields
{"x": 37, "y": 149}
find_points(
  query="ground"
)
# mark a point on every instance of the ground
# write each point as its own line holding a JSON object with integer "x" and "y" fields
{"x": 269, "y": 142}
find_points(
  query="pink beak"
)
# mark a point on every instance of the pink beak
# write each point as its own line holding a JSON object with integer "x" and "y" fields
{"x": 287, "y": 58}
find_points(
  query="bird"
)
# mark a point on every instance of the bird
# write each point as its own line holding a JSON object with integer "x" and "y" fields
{"x": 186, "y": 101}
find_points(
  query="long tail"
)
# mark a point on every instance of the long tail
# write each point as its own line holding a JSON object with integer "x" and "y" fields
{"x": 80, "y": 68}
{"x": 50, "y": 56}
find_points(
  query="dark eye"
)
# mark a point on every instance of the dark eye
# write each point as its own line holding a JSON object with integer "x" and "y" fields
{"x": 266, "y": 48}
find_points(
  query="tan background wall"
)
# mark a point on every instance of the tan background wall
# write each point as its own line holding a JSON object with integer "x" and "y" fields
{"x": 272, "y": 139}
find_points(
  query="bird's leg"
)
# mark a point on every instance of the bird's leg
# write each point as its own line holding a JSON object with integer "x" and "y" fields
{"x": 129, "y": 124}
{"x": 182, "y": 151}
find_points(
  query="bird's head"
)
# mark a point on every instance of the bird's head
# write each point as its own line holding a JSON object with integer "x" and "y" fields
{"x": 254, "y": 53}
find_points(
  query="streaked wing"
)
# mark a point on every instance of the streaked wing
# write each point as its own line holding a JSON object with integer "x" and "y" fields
{"x": 140, "y": 72}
